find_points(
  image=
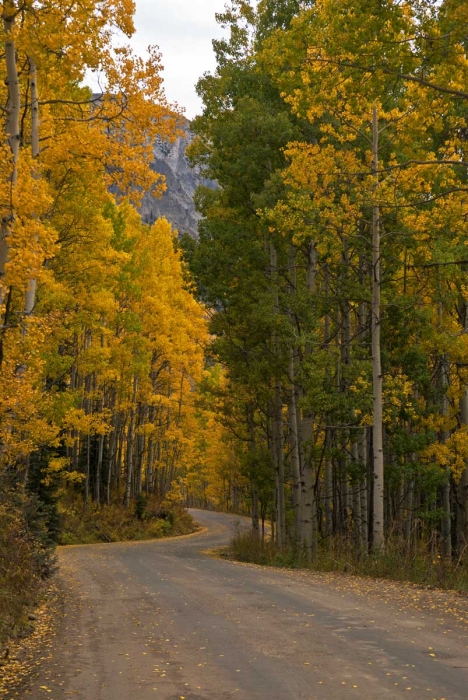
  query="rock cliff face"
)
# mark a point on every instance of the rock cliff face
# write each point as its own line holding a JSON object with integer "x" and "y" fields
{"x": 182, "y": 180}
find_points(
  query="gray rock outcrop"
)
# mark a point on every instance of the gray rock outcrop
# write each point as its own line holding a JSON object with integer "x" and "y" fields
{"x": 176, "y": 204}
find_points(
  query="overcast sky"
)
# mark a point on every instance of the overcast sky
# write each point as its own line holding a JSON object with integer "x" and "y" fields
{"x": 183, "y": 30}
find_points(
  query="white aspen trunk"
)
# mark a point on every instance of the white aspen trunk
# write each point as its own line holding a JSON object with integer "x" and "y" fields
{"x": 328, "y": 489}
{"x": 462, "y": 487}
{"x": 292, "y": 411}
{"x": 311, "y": 271}
{"x": 399, "y": 506}
{"x": 462, "y": 520}
{"x": 13, "y": 135}
{"x": 72, "y": 451}
{"x": 348, "y": 446}
{"x": 254, "y": 489}
{"x": 130, "y": 446}
{"x": 294, "y": 446}
{"x": 447, "y": 520}
{"x": 279, "y": 463}
{"x": 346, "y": 489}
{"x": 405, "y": 513}
{"x": 236, "y": 505}
{"x": 111, "y": 447}
{"x": 339, "y": 460}
{"x": 101, "y": 438}
{"x": 278, "y": 444}
{"x": 164, "y": 470}
{"x": 176, "y": 449}
{"x": 30, "y": 300}
{"x": 119, "y": 456}
{"x": 141, "y": 457}
{"x": 35, "y": 141}
{"x": 149, "y": 468}
{"x": 129, "y": 458}
{"x": 112, "y": 458}
{"x": 363, "y": 439}
{"x": 377, "y": 426}
{"x": 416, "y": 521}
{"x": 328, "y": 478}
{"x": 151, "y": 447}
{"x": 157, "y": 471}
{"x": 462, "y": 495}
{"x": 362, "y": 452}
{"x": 88, "y": 469}
{"x": 300, "y": 425}
{"x": 30, "y": 297}
{"x": 141, "y": 442}
{"x": 356, "y": 495}
{"x": 88, "y": 408}
{"x": 75, "y": 449}
{"x": 308, "y": 506}
{"x": 255, "y": 510}
{"x": 308, "y": 513}
{"x": 99, "y": 468}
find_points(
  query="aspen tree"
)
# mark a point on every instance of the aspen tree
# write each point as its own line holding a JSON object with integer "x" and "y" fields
{"x": 30, "y": 300}
{"x": 377, "y": 432}
{"x": 309, "y": 510}
{"x": 12, "y": 129}
{"x": 293, "y": 409}
{"x": 462, "y": 490}
{"x": 447, "y": 522}
{"x": 277, "y": 423}
{"x": 366, "y": 351}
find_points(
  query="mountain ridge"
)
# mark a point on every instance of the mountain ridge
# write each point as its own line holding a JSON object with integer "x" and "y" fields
{"x": 177, "y": 203}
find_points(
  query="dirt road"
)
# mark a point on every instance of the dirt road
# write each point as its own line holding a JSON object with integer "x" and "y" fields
{"x": 163, "y": 621}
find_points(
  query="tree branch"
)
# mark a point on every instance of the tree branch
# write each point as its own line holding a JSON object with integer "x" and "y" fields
{"x": 398, "y": 74}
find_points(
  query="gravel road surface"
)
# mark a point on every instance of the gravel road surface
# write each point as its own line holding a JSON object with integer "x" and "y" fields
{"x": 165, "y": 621}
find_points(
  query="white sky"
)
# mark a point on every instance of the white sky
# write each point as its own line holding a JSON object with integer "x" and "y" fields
{"x": 183, "y": 30}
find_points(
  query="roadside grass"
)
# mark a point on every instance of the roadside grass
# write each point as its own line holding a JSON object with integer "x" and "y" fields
{"x": 399, "y": 562}
{"x": 147, "y": 519}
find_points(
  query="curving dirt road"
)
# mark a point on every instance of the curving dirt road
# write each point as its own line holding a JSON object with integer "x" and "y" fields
{"x": 164, "y": 621}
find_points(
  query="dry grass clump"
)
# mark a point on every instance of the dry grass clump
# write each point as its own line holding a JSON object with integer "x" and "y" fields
{"x": 399, "y": 562}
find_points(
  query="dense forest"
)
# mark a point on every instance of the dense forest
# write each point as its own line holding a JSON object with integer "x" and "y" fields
{"x": 333, "y": 260}
{"x": 305, "y": 360}
{"x": 101, "y": 340}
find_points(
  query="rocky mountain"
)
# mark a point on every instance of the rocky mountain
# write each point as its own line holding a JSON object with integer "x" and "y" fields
{"x": 182, "y": 180}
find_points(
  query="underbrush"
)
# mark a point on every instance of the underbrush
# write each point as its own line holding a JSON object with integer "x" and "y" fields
{"x": 146, "y": 519}
{"x": 26, "y": 559}
{"x": 399, "y": 562}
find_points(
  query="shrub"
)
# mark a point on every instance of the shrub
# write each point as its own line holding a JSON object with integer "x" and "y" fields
{"x": 148, "y": 519}
{"x": 26, "y": 557}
